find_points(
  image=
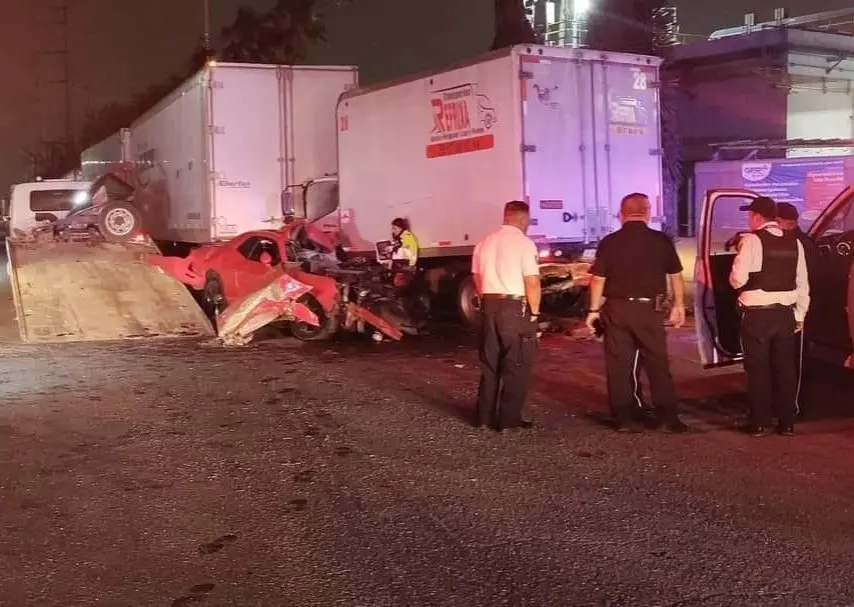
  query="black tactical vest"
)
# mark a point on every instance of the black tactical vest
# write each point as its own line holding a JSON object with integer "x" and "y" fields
{"x": 779, "y": 264}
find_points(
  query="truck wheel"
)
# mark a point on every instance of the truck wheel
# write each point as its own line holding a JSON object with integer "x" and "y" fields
{"x": 468, "y": 302}
{"x": 213, "y": 296}
{"x": 119, "y": 222}
{"x": 306, "y": 332}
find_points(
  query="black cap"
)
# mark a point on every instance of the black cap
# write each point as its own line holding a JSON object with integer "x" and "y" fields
{"x": 763, "y": 206}
{"x": 787, "y": 211}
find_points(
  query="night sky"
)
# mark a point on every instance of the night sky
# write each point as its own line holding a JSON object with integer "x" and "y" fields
{"x": 120, "y": 47}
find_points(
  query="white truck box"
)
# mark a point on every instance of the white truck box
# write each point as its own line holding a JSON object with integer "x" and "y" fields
{"x": 95, "y": 159}
{"x": 570, "y": 131}
{"x": 223, "y": 147}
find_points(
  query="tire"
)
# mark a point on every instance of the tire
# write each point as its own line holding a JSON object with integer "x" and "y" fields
{"x": 306, "y": 332}
{"x": 213, "y": 296}
{"x": 468, "y": 302}
{"x": 119, "y": 222}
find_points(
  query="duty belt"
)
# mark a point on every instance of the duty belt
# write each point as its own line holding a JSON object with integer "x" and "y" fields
{"x": 501, "y": 296}
{"x": 635, "y": 299}
{"x": 768, "y": 307}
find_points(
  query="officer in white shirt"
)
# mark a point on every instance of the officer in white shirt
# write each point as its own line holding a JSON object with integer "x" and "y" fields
{"x": 770, "y": 274}
{"x": 507, "y": 276}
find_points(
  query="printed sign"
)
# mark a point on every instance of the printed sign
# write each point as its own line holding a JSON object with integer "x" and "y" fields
{"x": 627, "y": 103}
{"x": 809, "y": 185}
{"x": 551, "y": 205}
{"x": 461, "y": 121}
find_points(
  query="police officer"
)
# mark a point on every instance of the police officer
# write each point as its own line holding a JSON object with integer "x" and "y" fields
{"x": 632, "y": 268}
{"x": 507, "y": 277}
{"x": 789, "y": 220}
{"x": 770, "y": 274}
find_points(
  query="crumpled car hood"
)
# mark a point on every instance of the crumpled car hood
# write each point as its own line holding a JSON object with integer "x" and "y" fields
{"x": 276, "y": 301}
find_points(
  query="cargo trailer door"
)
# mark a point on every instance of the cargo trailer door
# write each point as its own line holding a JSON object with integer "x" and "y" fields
{"x": 246, "y": 148}
{"x": 555, "y": 148}
{"x": 628, "y": 138}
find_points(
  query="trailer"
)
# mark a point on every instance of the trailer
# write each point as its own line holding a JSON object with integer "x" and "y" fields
{"x": 220, "y": 151}
{"x": 96, "y": 159}
{"x": 569, "y": 131}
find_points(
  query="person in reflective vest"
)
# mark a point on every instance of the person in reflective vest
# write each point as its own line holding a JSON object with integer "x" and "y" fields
{"x": 405, "y": 243}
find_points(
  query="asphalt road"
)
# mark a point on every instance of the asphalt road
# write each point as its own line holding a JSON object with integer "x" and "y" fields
{"x": 179, "y": 473}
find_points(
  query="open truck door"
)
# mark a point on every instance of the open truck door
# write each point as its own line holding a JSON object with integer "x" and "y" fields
{"x": 716, "y": 316}
{"x": 830, "y": 326}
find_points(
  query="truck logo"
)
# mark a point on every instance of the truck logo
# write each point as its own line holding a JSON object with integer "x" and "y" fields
{"x": 461, "y": 118}
{"x": 755, "y": 171}
{"x": 544, "y": 96}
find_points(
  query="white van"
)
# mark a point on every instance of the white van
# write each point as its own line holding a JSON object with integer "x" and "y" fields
{"x": 39, "y": 202}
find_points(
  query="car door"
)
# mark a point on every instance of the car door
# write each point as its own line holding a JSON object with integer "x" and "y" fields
{"x": 253, "y": 273}
{"x": 830, "y": 329}
{"x": 716, "y": 316}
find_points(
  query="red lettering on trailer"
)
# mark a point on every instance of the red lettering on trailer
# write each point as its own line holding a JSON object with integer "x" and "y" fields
{"x": 450, "y": 116}
{"x": 529, "y": 59}
{"x": 551, "y": 205}
{"x": 344, "y": 123}
{"x": 444, "y": 243}
{"x": 460, "y": 146}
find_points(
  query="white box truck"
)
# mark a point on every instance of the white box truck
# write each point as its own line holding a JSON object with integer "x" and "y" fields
{"x": 219, "y": 152}
{"x": 569, "y": 131}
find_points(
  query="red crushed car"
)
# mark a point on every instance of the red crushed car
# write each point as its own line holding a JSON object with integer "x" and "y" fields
{"x": 227, "y": 274}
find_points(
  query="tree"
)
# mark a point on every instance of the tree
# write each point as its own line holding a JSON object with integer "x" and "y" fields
{"x": 511, "y": 24}
{"x": 280, "y": 35}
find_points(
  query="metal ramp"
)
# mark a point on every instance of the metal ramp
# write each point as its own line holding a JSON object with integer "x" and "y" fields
{"x": 72, "y": 291}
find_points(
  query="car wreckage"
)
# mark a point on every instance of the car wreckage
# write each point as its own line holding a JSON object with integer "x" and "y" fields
{"x": 294, "y": 276}
{"x": 297, "y": 276}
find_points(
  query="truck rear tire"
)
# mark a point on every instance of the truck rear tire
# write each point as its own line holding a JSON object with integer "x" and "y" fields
{"x": 306, "y": 332}
{"x": 119, "y": 221}
{"x": 468, "y": 302}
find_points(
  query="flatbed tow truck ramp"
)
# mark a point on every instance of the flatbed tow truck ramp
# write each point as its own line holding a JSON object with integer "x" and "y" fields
{"x": 97, "y": 291}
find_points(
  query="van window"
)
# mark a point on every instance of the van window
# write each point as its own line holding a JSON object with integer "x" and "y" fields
{"x": 51, "y": 201}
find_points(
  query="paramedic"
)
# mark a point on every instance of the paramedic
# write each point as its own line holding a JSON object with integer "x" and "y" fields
{"x": 770, "y": 274}
{"x": 507, "y": 277}
{"x": 632, "y": 269}
{"x": 405, "y": 244}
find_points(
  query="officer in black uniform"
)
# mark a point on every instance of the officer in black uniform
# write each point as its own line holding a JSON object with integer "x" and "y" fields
{"x": 631, "y": 270}
{"x": 789, "y": 220}
{"x": 769, "y": 272}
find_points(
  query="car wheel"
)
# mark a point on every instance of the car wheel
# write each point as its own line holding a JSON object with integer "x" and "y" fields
{"x": 213, "y": 296}
{"x": 306, "y": 332}
{"x": 468, "y": 302}
{"x": 119, "y": 222}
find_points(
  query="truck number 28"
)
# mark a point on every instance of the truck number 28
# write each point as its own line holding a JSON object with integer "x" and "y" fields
{"x": 640, "y": 80}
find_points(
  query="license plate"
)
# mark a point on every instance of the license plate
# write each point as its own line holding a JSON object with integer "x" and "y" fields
{"x": 588, "y": 255}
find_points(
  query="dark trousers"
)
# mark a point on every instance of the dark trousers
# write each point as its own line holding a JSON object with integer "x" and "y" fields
{"x": 638, "y": 385}
{"x": 768, "y": 339}
{"x": 634, "y": 336}
{"x": 508, "y": 344}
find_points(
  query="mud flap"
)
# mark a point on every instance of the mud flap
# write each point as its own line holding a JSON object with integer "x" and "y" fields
{"x": 276, "y": 301}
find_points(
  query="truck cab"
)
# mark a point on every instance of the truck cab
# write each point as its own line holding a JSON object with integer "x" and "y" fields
{"x": 44, "y": 201}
